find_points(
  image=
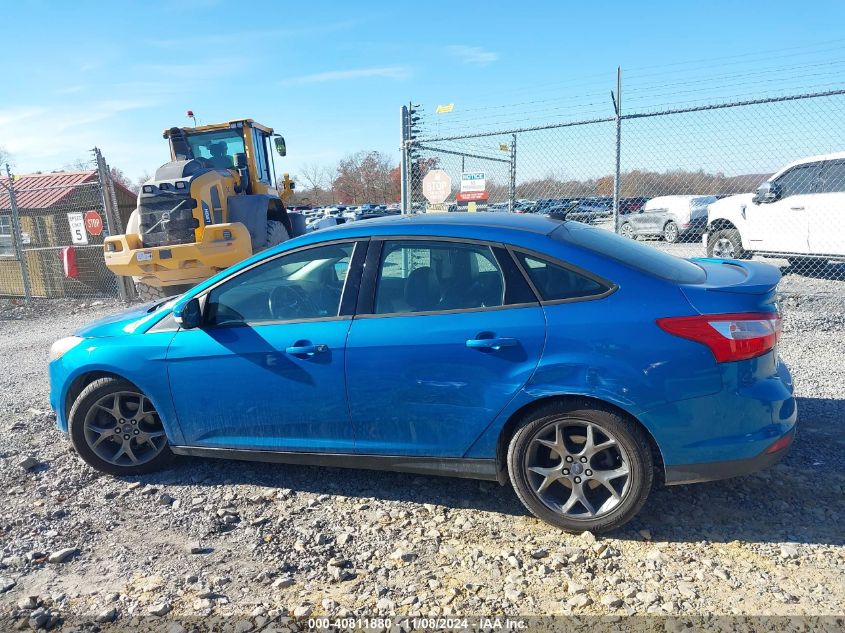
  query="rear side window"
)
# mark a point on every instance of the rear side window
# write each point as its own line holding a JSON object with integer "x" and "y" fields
{"x": 554, "y": 282}
{"x": 631, "y": 253}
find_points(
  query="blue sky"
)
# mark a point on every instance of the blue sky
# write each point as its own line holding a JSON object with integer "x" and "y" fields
{"x": 331, "y": 76}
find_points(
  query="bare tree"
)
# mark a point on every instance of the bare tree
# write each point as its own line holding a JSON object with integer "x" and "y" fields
{"x": 5, "y": 157}
{"x": 79, "y": 164}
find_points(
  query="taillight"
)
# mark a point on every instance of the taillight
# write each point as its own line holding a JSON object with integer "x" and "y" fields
{"x": 730, "y": 337}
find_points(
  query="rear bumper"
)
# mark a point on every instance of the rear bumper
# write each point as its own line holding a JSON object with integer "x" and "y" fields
{"x": 221, "y": 246}
{"x": 712, "y": 471}
{"x": 696, "y": 227}
{"x": 727, "y": 433}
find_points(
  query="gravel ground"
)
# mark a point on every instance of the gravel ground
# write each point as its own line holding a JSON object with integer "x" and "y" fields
{"x": 256, "y": 541}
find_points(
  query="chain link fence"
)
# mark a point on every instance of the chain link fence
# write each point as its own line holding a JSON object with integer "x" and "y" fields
{"x": 760, "y": 178}
{"x": 52, "y": 228}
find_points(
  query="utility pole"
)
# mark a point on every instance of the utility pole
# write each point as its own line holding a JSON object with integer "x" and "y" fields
{"x": 617, "y": 106}
{"x": 17, "y": 236}
{"x": 512, "y": 175}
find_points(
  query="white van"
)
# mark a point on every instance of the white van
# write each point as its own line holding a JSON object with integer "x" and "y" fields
{"x": 671, "y": 217}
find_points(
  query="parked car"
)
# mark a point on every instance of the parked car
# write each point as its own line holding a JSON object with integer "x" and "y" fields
{"x": 493, "y": 346}
{"x": 673, "y": 218}
{"x": 631, "y": 205}
{"x": 590, "y": 210}
{"x": 796, "y": 214}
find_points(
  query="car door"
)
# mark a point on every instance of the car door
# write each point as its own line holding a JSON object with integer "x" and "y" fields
{"x": 265, "y": 371}
{"x": 446, "y": 333}
{"x": 825, "y": 210}
{"x": 782, "y": 226}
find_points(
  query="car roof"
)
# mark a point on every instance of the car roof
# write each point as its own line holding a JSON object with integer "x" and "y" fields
{"x": 394, "y": 224}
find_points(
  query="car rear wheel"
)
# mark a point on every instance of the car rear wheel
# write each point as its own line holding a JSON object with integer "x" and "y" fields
{"x": 671, "y": 233}
{"x": 726, "y": 244}
{"x": 626, "y": 230}
{"x": 115, "y": 429}
{"x": 580, "y": 467}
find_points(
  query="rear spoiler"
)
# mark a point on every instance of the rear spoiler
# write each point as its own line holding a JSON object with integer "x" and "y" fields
{"x": 760, "y": 278}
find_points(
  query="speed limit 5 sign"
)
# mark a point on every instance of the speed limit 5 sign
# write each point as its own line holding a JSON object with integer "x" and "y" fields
{"x": 77, "y": 228}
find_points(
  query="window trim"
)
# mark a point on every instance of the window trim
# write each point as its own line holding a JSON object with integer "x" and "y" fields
{"x": 367, "y": 294}
{"x": 355, "y": 269}
{"x": 610, "y": 286}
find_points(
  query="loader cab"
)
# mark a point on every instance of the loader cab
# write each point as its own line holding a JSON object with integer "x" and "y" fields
{"x": 241, "y": 145}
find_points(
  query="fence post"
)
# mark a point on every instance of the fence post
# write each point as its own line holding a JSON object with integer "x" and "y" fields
{"x": 617, "y": 104}
{"x": 17, "y": 236}
{"x": 403, "y": 164}
{"x": 512, "y": 174}
{"x": 110, "y": 211}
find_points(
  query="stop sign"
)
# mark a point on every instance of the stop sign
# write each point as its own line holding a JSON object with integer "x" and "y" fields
{"x": 93, "y": 222}
{"x": 437, "y": 186}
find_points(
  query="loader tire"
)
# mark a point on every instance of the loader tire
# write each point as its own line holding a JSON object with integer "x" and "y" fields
{"x": 276, "y": 233}
{"x": 154, "y": 293}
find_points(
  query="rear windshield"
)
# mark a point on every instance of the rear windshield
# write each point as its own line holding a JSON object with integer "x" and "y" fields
{"x": 630, "y": 252}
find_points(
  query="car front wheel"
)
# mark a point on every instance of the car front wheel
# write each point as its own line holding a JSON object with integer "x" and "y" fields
{"x": 580, "y": 467}
{"x": 626, "y": 230}
{"x": 726, "y": 244}
{"x": 115, "y": 429}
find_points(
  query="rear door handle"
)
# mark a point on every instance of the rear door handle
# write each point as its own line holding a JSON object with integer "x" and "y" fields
{"x": 306, "y": 350}
{"x": 491, "y": 343}
{"x": 797, "y": 208}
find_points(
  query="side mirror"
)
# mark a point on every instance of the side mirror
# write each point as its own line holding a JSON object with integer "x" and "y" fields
{"x": 281, "y": 148}
{"x": 766, "y": 192}
{"x": 188, "y": 315}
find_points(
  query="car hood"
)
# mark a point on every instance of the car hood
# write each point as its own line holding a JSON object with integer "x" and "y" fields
{"x": 125, "y": 322}
{"x": 732, "y": 201}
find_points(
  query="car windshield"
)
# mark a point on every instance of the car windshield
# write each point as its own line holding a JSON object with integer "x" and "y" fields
{"x": 218, "y": 147}
{"x": 632, "y": 253}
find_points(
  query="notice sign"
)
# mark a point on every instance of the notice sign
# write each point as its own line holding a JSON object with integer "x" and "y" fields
{"x": 77, "y": 228}
{"x": 473, "y": 181}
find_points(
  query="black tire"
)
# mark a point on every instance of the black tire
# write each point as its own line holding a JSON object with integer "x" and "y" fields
{"x": 720, "y": 239}
{"x": 92, "y": 394}
{"x": 276, "y": 233}
{"x": 155, "y": 293}
{"x": 627, "y": 435}
{"x": 671, "y": 233}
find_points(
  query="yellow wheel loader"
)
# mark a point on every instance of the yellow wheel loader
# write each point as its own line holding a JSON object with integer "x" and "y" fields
{"x": 213, "y": 205}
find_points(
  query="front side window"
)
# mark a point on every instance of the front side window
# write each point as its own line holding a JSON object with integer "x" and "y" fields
{"x": 303, "y": 285}
{"x": 423, "y": 276}
{"x": 798, "y": 180}
{"x": 554, "y": 282}
{"x": 217, "y": 149}
{"x": 832, "y": 177}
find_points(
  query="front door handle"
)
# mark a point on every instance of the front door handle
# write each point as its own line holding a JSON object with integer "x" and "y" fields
{"x": 306, "y": 350}
{"x": 491, "y": 343}
{"x": 797, "y": 208}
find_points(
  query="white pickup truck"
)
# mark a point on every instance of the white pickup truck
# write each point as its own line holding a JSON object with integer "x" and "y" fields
{"x": 798, "y": 214}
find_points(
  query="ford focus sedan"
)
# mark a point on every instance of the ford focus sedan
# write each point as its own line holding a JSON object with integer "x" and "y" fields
{"x": 575, "y": 364}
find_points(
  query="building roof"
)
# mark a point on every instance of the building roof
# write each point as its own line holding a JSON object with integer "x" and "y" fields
{"x": 42, "y": 191}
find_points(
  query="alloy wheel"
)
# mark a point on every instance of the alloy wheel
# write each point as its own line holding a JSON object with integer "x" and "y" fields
{"x": 627, "y": 231}
{"x": 578, "y": 469}
{"x": 724, "y": 248}
{"x": 123, "y": 429}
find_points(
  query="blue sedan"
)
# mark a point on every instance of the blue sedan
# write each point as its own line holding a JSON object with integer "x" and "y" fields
{"x": 573, "y": 363}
